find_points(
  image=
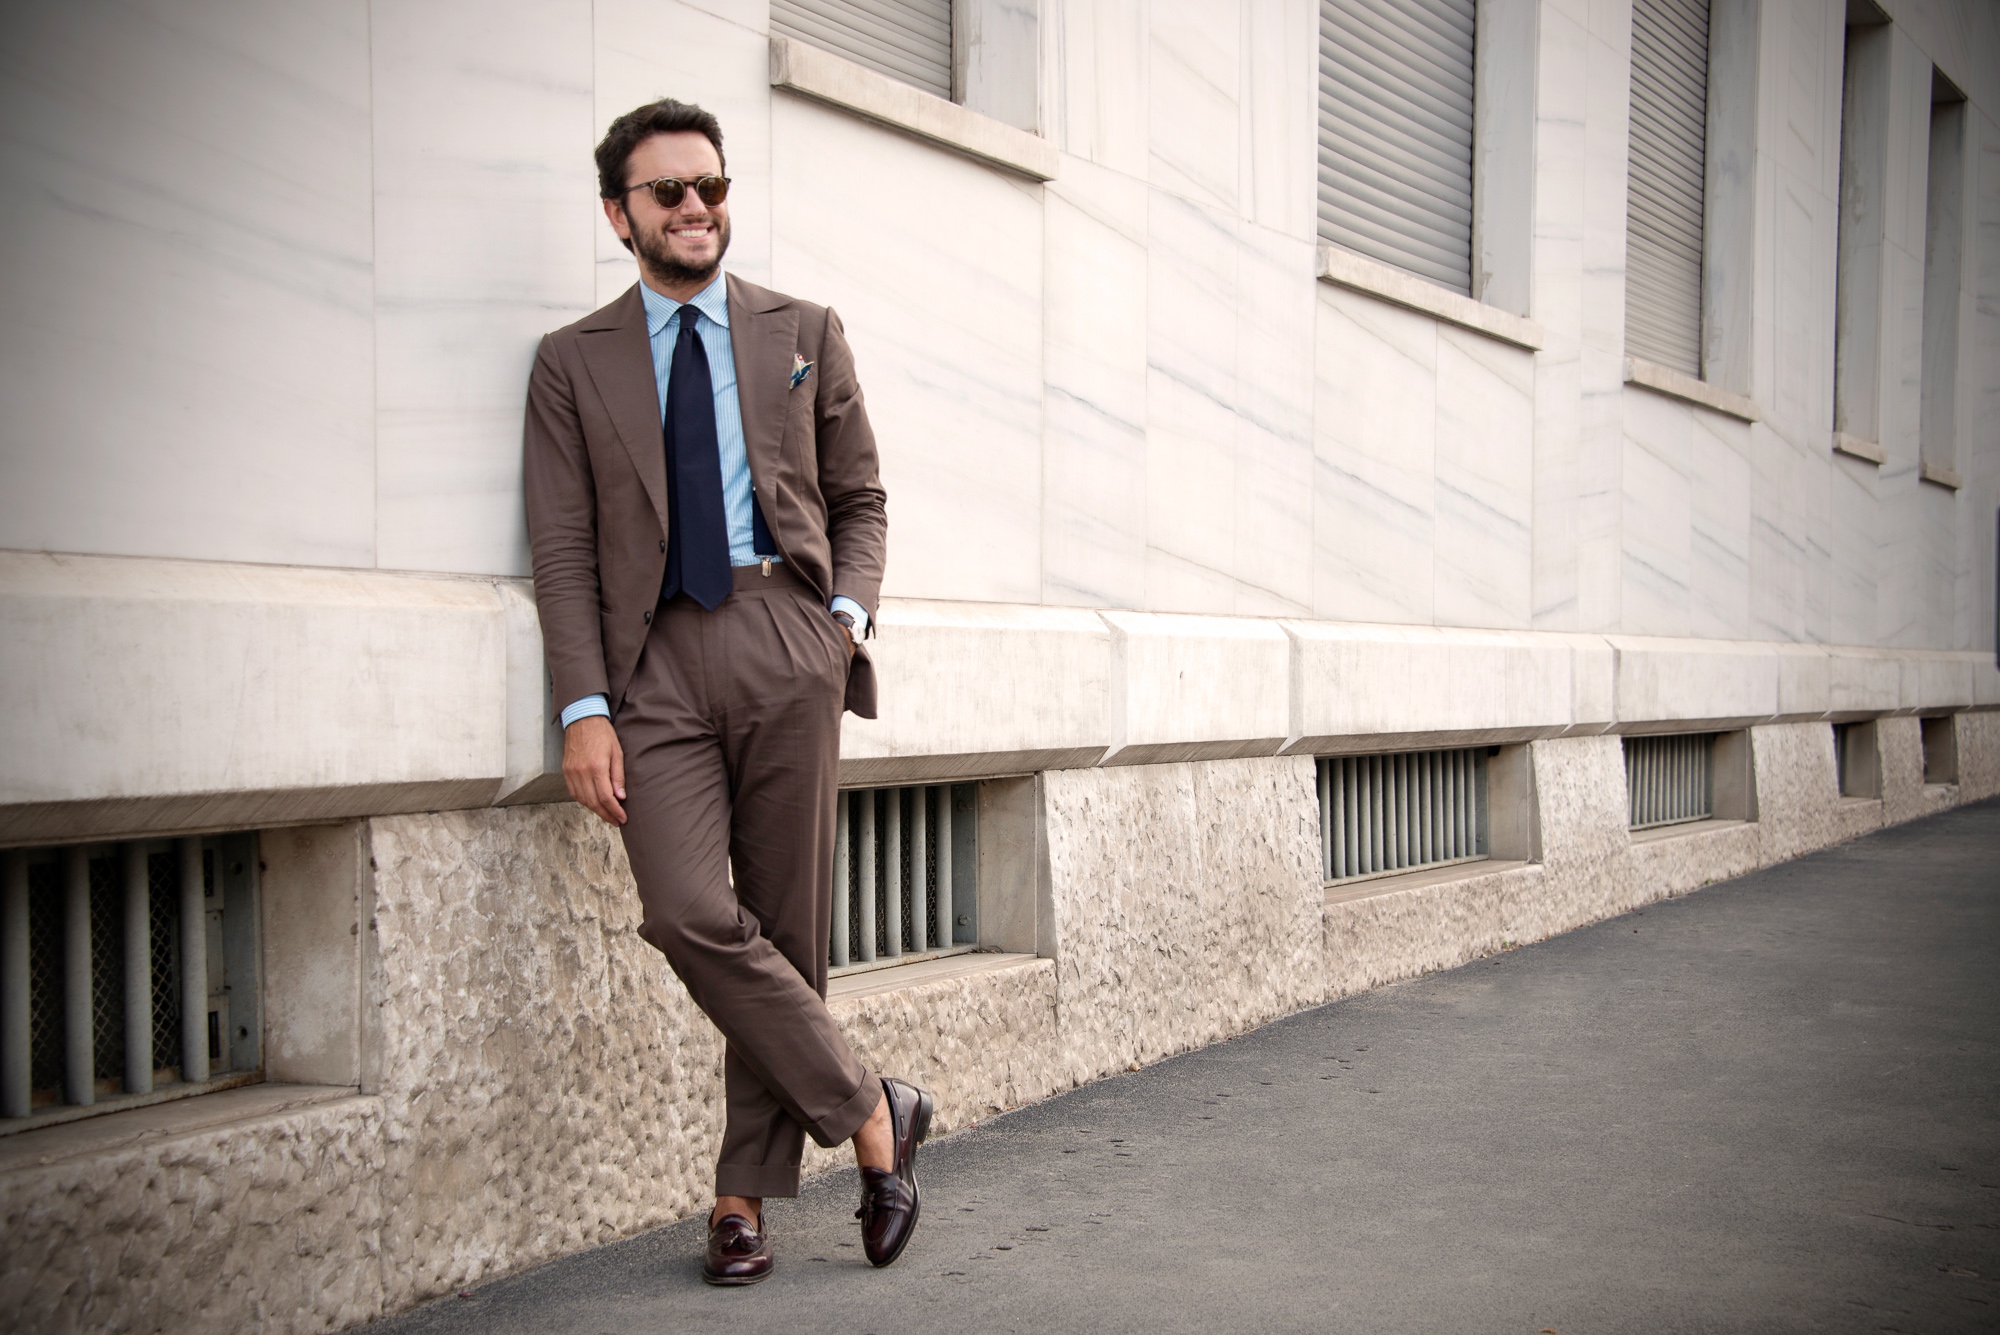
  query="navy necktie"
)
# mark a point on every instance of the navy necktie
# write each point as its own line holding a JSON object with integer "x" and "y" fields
{"x": 697, "y": 528}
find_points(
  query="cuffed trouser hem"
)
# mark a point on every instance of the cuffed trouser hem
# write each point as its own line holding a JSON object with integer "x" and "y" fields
{"x": 760, "y": 1181}
{"x": 838, "y": 1127}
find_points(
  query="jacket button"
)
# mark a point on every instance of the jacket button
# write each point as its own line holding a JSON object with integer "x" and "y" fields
{"x": 646, "y": 617}
{"x": 663, "y": 544}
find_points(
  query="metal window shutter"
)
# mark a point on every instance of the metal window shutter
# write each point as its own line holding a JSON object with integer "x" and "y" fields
{"x": 904, "y": 39}
{"x": 1395, "y": 133}
{"x": 1663, "y": 229}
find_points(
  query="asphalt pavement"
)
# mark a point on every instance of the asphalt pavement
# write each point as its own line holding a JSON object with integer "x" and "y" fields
{"x": 1767, "y": 1106}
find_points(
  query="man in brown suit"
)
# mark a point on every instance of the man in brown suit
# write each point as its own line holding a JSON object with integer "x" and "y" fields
{"x": 709, "y": 534}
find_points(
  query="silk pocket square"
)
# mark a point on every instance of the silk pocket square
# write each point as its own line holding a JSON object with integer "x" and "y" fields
{"x": 801, "y": 368}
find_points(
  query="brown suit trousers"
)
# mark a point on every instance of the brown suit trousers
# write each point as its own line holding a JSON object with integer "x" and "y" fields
{"x": 731, "y": 729}
{"x": 730, "y": 719}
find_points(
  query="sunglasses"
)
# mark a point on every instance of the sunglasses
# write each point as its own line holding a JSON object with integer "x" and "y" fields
{"x": 669, "y": 191}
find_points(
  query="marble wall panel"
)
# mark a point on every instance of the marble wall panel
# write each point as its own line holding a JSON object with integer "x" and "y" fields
{"x": 712, "y": 52}
{"x": 1854, "y": 520}
{"x": 1556, "y": 302}
{"x": 1657, "y": 508}
{"x": 253, "y": 678}
{"x": 1354, "y": 681}
{"x": 1694, "y": 681}
{"x": 1600, "y": 490}
{"x": 1273, "y": 517}
{"x": 1280, "y": 108}
{"x": 187, "y": 356}
{"x": 1193, "y": 92}
{"x": 485, "y": 213}
{"x": 1192, "y": 687}
{"x": 1192, "y": 297}
{"x": 982, "y": 679}
{"x": 938, "y": 278}
{"x": 1374, "y": 456}
{"x": 1094, "y": 410}
{"x": 1095, "y": 102}
{"x": 1482, "y": 574}
{"x": 1719, "y": 538}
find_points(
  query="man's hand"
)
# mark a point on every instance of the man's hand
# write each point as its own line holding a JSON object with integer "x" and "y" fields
{"x": 594, "y": 767}
{"x": 846, "y": 624}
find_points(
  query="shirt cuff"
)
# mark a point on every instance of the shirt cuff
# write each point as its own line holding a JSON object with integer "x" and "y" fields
{"x": 842, "y": 603}
{"x": 591, "y": 706}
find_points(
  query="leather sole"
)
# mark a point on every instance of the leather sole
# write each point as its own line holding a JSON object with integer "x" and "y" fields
{"x": 733, "y": 1281}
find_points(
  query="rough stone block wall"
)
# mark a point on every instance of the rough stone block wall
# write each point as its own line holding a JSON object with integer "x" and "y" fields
{"x": 268, "y": 1223}
{"x": 548, "y": 1084}
{"x": 1186, "y": 902}
{"x": 1378, "y": 939}
{"x": 982, "y": 1045}
{"x": 539, "y": 1082}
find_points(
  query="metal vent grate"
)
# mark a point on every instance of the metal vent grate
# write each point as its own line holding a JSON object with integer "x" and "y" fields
{"x": 164, "y": 893}
{"x": 902, "y": 875}
{"x": 1669, "y": 780}
{"x": 117, "y": 961}
{"x": 1390, "y": 813}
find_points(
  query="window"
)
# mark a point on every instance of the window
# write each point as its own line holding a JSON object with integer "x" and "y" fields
{"x": 1940, "y": 742}
{"x": 905, "y": 875}
{"x": 1864, "y": 101}
{"x": 908, "y": 40}
{"x": 1944, "y": 246}
{"x": 1395, "y": 133}
{"x": 1389, "y": 813}
{"x": 128, "y": 973}
{"x": 1669, "y": 780}
{"x": 1855, "y": 762}
{"x": 1665, "y": 191}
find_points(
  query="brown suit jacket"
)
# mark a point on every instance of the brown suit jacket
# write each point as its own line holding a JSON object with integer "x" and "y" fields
{"x": 596, "y": 478}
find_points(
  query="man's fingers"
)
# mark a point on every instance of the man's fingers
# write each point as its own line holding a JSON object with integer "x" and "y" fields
{"x": 608, "y": 799}
{"x": 618, "y": 771}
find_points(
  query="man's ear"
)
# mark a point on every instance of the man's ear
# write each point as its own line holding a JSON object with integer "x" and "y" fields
{"x": 614, "y": 210}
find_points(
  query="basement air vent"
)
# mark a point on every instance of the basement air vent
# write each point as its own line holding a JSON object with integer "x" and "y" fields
{"x": 1669, "y": 780}
{"x": 1391, "y": 813}
{"x": 905, "y": 873}
{"x": 128, "y": 974}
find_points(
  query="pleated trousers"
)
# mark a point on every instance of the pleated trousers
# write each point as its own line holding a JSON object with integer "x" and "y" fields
{"x": 731, "y": 734}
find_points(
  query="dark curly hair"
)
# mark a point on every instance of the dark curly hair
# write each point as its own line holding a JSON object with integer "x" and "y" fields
{"x": 636, "y": 126}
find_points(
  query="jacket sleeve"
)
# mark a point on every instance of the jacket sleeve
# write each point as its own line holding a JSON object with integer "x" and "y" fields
{"x": 562, "y": 532}
{"x": 857, "y": 515}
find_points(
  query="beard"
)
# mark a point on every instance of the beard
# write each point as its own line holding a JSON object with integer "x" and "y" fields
{"x": 657, "y": 255}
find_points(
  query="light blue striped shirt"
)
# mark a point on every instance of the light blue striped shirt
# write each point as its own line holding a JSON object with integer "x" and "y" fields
{"x": 710, "y": 310}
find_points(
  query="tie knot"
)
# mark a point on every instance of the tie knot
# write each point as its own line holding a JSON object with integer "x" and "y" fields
{"x": 688, "y": 322}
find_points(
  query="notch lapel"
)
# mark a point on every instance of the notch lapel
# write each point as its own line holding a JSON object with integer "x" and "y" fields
{"x": 619, "y": 358}
{"x": 763, "y": 337}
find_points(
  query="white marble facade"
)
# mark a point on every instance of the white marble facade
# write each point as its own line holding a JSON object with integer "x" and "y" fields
{"x": 274, "y": 278}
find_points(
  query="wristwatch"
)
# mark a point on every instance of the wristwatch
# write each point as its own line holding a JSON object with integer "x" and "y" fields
{"x": 846, "y": 619}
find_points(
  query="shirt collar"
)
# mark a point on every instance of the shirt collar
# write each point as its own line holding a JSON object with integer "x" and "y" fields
{"x": 712, "y": 301}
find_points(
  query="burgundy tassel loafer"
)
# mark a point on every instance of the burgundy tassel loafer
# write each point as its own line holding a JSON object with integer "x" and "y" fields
{"x": 738, "y": 1252}
{"x": 889, "y": 1204}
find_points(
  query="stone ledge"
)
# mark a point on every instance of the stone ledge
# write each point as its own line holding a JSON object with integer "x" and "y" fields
{"x": 875, "y": 982}
{"x": 1689, "y": 830}
{"x": 111, "y": 1132}
{"x": 1854, "y": 447}
{"x": 801, "y": 68}
{"x": 1680, "y": 385}
{"x": 1940, "y": 476}
{"x": 1344, "y": 268}
{"x": 1423, "y": 878}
